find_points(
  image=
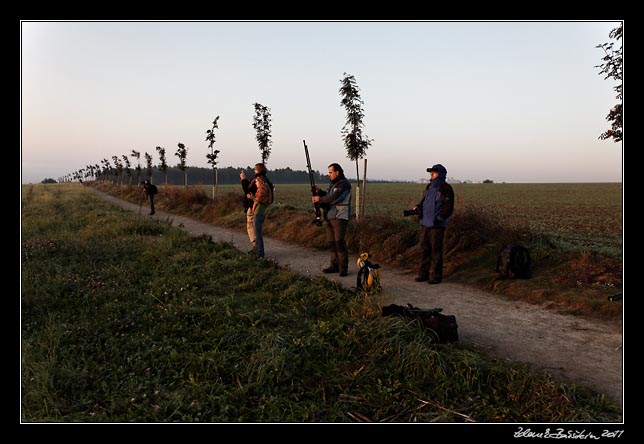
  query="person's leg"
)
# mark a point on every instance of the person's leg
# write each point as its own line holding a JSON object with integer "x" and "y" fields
{"x": 330, "y": 239}
{"x": 339, "y": 231}
{"x": 426, "y": 256}
{"x": 152, "y": 204}
{"x": 258, "y": 225}
{"x": 249, "y": 226}
{"x": 436, "y": 238}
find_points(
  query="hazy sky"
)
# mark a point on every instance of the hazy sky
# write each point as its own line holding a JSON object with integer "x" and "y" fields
{"x": 507, "y": 101}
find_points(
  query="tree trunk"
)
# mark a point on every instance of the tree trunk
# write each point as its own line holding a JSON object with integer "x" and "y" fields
{"x": 214, "y": 182}
{"x": 357, "y": 191}
{"x": 364, "y": 189}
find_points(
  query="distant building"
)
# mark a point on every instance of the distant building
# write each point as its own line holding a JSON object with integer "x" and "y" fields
{"x": 448, "y": 180}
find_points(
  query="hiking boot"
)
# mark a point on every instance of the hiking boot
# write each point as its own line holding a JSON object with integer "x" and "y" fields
{"x": 343, "y": 273}
{"x": 330, "y": 270}
{"x": 151, "y": 213}
{"x": 421, "y": 278}
{"x": 434, "y": 281}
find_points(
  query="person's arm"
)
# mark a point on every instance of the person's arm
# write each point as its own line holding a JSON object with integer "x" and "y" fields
{"x": 339, "y": 192}
{"x": 244, "y": 184}
{"x": 448, "y": 203}
{"x": 420, "y": 204}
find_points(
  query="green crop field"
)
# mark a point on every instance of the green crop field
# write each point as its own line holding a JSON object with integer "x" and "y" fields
{"x": 585, "y": 216}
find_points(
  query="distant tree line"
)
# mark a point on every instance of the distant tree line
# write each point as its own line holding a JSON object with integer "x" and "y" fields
{"x": 228, "y": 175}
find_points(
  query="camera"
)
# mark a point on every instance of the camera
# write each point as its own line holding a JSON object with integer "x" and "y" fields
{"x": 407, "y": 213}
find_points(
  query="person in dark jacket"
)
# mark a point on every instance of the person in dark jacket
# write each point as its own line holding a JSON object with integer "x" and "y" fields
{"x": 336, "y": 203}
{"x": 434, "y": 210}
{"x": 250, "y": 189}
{"x": 150, "y": 190}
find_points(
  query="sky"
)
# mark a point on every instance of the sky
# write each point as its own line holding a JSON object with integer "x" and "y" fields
{"x": 508, "y": 101}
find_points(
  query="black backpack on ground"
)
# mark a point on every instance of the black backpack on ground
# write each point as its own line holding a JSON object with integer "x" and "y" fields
{"x": 443, "y": 328}
{"x": 513, "y": 261}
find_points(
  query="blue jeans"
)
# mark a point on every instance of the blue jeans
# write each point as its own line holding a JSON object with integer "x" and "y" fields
{"x": 258, "y": 225}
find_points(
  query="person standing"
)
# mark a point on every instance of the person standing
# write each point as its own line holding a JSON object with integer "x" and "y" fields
{"x": 261, "y": 200}
{"x": 336, "y": 203}
{"x": 150, "y": 190}
{"x": 255, "y": 212}
{"x": 434, "y": 210}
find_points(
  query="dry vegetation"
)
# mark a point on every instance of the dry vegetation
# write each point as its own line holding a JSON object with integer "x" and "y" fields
{"x": 576, "y": 265}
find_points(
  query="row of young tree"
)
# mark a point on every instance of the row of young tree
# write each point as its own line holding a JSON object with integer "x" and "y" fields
{"x": 355, "y": 142}
{"x": 203, "y": 176}
{"x": 120, "y": 169}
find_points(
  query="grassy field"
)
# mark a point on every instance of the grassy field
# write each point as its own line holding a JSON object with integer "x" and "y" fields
{"x": 127, "y": 319}
{"x": 584, "y": 216}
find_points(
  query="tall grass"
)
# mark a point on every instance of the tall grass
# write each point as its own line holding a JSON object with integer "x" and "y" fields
{"x": 127, "y": 319}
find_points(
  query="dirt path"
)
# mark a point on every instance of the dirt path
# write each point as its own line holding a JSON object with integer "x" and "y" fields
{"x": 588, "y": 353}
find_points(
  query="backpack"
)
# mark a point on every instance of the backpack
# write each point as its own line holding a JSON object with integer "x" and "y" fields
{"x": 264, "y": 192}
{"x": 513, "y": 261}
{"x": 442, "y": 328}
{"x": 272, "y": 187}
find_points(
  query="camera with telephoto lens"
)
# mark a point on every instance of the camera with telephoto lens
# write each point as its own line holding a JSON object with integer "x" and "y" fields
{"x": 407, "y": 213}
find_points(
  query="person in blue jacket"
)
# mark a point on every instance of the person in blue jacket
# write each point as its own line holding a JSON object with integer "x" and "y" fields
{"x": 434, "y": 211}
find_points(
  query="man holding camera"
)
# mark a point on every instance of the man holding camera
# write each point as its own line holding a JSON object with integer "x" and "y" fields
{"x": 434, "y": 210}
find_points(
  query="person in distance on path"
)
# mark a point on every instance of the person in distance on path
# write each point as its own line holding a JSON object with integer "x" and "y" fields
{"x": 150, "y": 190}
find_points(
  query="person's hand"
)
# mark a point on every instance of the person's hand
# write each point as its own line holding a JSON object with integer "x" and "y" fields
{"x": 242, "y": 175}
{"x": 315, "y": 199}
{"x": 249, "y": 196}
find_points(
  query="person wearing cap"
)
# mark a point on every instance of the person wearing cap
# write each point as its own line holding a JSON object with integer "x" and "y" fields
{"x": 434, "y": 209}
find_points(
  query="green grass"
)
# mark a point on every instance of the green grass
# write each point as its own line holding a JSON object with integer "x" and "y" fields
{"x": 127, "y": 319}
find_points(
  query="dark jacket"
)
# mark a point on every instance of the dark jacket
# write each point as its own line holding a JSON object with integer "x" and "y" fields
{"x": 150, "y": 189}
{"x": 438, "y": 201}
{"x": 336, "y": 201}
